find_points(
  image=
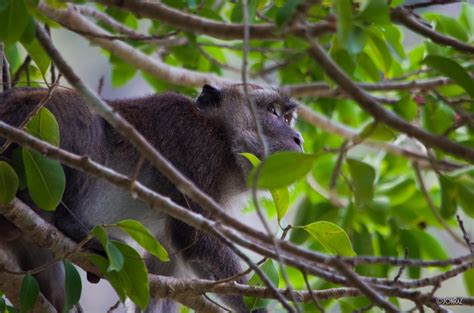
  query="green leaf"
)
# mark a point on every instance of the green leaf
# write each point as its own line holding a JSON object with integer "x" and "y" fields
{"x": 8, "y": 183}
{"x": 394, "y": 37}
{"x": 37, "y": 53}
{"x": 45, "y": 177}
{"x": 406, "y": 107}
{"x": 286, "y": 12}
{"x": 29, "y": 293}
{"x": 466, "y": 199}
{"x": 283, "y": 168}
{"x": 73, "y": 286}
{"x": 144, "y": 238}
{"x": 377, "y": 131}
{"x": 45, "y": 180}
{"x": 448, "y": 25}
{"x": 453, "y": 70}
{"x": 332, "y": 237}
{"x": 466, "y": 17}
{"x": 343, "y": 11}
{"x": 112, "y": 277}
{"x": 45, "y": 127}
{"x": 408, "y": 240}
{"x": 431, "y": 247}
{"x": 374, "y": 11}
{"x": 366, "y": 65}
{"x": 122, "y": 73}
{"x": 134, "y": 276}
{"x": 237, "y": 15}
{"x": 116, "y": 259}
{"x": 14, "y": 19}
{"x": 17, "y": 164}
{"x": 268, "y": 268}
{"x": 281, "y": 198}
{"x": 379, "y": 46}
{"x": 468, "y": 278}
{"x": 363, "y": 177}
{"x": 252, "y": 158}
{"x": 448, "y": 197}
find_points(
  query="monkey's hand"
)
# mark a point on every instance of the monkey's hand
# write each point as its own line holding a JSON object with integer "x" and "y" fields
{"x": 93, "y": 278}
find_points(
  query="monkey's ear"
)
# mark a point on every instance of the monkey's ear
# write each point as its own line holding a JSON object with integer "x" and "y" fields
{"x": 209, "y": 98}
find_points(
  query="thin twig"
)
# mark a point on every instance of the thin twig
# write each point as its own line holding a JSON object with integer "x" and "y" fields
{"x": 433, "y": 207}
{"x": 465, "y": 235}
{"x": 23, "y": 67}
{"x": 310, "y": 290}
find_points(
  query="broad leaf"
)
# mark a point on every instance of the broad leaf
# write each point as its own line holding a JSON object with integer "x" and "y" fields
{"x": 282, "y": 169}
{"x": 466, "y": 199}
{"x": 448, "y": 197}
{"x": 374, "y": 11}
{"x": 144, "y": 238}
{"x": 453, "y": 70}
{"x": 134, "y": 276}
{"x": 332, "y": 237}
{"x": 45, "y": 127}
{"x": 281, "y": 198}
{"x": 45, "y": 180}
{"x": 363, "y": 177}
{"x": 14, "y": 18}
{"x": 29, "y": 293}
{"x": 73, "y": 286}
{"x": 468, "y": 278}
{"x": 286, "y": 12}
{"x": 116, "y": 259}
{"x": 37, "y": 53}
{"x": 8, "y": 183}
{"x": 112, "y": 277}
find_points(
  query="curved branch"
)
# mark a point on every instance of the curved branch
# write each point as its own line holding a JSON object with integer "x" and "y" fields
{"x": 326, "y": 124}
{"x": 370, "y": 105}
{"x": 321, "y": 89}
{"x": 199, "y": 25}
{"x": 71, "y": 19}
{"x": 405, "y": 17}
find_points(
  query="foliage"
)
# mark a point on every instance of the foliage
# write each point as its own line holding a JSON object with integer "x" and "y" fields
{"x": 345, "y": 198}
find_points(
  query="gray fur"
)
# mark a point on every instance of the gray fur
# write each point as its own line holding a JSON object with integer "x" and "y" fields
{"x": 201, "y": 138}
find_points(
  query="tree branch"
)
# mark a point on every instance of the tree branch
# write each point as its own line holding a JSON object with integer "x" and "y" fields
{"x": 368, "y": 104}
{"x": 199, "y": 25}
{"x": 406, "y": 18}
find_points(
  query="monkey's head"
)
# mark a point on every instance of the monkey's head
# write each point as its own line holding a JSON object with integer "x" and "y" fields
{"x": 275, "y": 111}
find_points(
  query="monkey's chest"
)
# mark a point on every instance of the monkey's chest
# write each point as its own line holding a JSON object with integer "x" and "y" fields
{"x": 108, "y": 204}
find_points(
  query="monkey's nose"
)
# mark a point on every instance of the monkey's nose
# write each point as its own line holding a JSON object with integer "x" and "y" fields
{"x": 298, "y": 140}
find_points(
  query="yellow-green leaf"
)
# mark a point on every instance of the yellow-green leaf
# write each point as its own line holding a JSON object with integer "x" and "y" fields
{"x": 332, "y": 237}
{"x": 144, "y": 238}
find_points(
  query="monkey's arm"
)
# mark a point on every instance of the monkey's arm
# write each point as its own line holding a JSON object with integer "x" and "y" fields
{"x": 209, "y": 259}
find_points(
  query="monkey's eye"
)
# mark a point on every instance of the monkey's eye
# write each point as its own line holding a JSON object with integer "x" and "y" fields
{"x": 271, "y": 109}
{"x": 288, "y": 118}
{"x": 274, "y": 110}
